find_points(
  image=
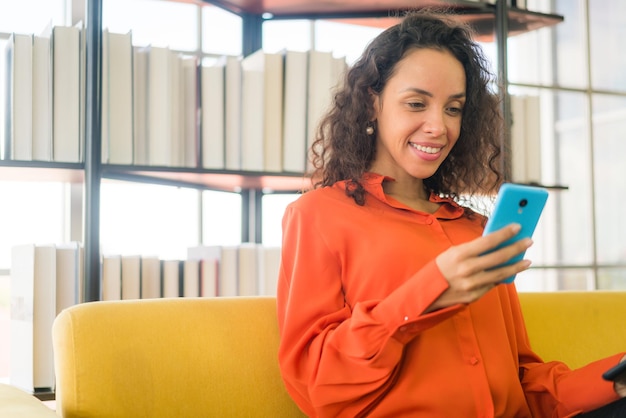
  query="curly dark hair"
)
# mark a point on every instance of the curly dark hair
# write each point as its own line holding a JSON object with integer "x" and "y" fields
{"x": 342, "y": 150}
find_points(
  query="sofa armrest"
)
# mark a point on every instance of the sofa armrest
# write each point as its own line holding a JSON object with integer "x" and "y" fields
{"x": 576, "y": 327}
{"x": 16, "y": 403}
{"x": 170, "y": 357}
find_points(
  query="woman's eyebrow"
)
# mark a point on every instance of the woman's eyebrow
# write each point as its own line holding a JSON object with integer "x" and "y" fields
{"x": 429, "y": 94}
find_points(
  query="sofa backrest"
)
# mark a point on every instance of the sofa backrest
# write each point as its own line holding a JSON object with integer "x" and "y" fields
{"x": 170, "y": 358}
{"x": 575, "y": 327}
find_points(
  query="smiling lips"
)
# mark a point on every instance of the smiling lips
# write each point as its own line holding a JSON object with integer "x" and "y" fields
{"x": 427, "y": 152}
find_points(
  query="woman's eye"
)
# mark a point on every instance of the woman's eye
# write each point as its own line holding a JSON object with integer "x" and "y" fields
{"x": 455, "y": 110}
{"x": 416, "y": 105}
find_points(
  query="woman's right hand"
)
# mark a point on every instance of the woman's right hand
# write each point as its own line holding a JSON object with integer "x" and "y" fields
{"x": 470, "y": 272}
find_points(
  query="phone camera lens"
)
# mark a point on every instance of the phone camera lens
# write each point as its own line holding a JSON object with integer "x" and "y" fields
{"x": 523, "y": 202}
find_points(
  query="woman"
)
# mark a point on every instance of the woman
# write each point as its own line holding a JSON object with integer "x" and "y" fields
{"x": 385, "y": 305}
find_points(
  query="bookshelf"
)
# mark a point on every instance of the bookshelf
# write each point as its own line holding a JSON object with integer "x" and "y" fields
{"x": 492, "y": 22}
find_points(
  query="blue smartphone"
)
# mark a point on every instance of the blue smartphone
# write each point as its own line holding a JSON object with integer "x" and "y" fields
{"x": 516, "y": 203}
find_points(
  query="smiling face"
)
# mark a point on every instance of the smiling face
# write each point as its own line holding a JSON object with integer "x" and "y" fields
{"x": 418, "y": 114}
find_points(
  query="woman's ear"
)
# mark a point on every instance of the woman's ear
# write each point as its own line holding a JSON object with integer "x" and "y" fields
{"x": 375, "y": 102}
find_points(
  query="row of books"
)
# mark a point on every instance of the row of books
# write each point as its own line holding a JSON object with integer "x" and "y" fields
{"x": 45, "y": 279}
{"x": 44, "y": 102}
{"x": 243, "y": 270}
{"x": 526, "y": 152}
{"x": 164, "y": 108}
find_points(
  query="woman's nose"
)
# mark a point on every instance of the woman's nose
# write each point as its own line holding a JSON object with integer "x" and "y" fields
{"x": 435, "y": 124}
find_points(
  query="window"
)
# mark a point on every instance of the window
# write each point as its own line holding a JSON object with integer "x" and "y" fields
{"x": 221, "y": 218}
{"x": 157, "y": 23}
{"x": 146, "y": 219}
{"x": 32, "y": 212}
{"x": 221, "y": 32}
{"x": 274, "y": 206}
{"x": 583, "y": 106}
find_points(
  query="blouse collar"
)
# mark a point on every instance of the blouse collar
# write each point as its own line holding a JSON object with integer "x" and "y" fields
{"x": 373, "y": 184}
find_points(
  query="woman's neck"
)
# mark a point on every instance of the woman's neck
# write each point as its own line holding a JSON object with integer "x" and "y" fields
{"x": 411, "y": 193}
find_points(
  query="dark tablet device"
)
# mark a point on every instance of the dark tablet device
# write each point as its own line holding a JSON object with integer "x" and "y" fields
{"x": 614, "y": 372}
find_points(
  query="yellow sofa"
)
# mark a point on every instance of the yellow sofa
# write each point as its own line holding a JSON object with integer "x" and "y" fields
{"x": 217, "y": 357}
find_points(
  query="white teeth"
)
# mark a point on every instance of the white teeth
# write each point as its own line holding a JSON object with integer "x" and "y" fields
{"x": 427, "y": 150}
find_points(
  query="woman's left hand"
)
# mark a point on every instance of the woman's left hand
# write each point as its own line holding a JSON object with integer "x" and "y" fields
{"x": 620, "y": 383}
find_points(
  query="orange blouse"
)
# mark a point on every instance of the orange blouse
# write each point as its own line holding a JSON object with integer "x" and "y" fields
{"x": 353, "y": 285}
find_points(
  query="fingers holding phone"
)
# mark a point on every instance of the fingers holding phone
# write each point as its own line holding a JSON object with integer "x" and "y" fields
{"x": 471, "y": 269}
{"x": 504, "y": 258}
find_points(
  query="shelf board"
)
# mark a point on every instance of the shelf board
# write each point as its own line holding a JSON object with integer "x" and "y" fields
{"x": 41, "y": 171}
{"x": 291, "y": 8}
{"x": 225, "y": 180}
{"x": 383, "y": 14}
{"x": 520, "y": 21}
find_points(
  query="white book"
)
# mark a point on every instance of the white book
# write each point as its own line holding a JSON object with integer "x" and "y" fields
{"x": 269, "y": 268}
{"x": 252, "y": 112}
{"x": 33, "y": 309}
{"x": 318, "y": 92}
{"x": 204, "y": 252}
{"x": 213, "y": 105}
{"x": 533, "y": 139}
{"x": 209, "y": 271}
{"x": 191, "y": 278}
{"x": 525, "y": 139}
{"x": 19, "y": 109}
{"x": 175, "y": 110}
{"x": 324, "y": 75}
{"x": 262, "y": 112}
{"x": 150, "y": 277}
{"x": 170, "y": 271}
{"x": 42, "y": 96}
{"x": 131, "y": 277}
{"x": 518, "y": 137}
{"x": 66, "y": 73}
{"x": 247, "y": 271}
{"x": 274, "y": 97}
{"x": 210, "y": 262}
{"x": 140, "y": 105}
{"x": 228, "y": 273}
{"x": 232, "y": 115}
{"x": 117, "y": 98}
{"x": 190, "y": 112}
{"x": 69, "y": 274}
{"x": 111, "y": 277}
{"x": 159, "y": 107}
{"x": 82, "y": 88}
{"x": 295, "y": 112}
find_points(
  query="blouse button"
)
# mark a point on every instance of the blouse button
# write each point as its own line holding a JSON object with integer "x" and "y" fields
{"x": 474, "y": 361}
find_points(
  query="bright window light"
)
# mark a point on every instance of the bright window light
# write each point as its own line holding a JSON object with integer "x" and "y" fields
{"x": 146, "y": 219}
{"x": 221, "y": 218}
{"x": 31, "y": 213}
{"x": 157, "y": 23}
